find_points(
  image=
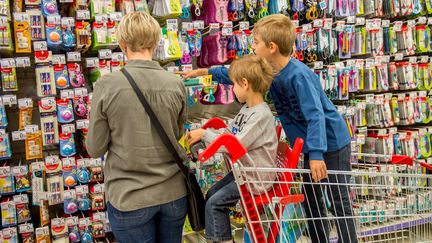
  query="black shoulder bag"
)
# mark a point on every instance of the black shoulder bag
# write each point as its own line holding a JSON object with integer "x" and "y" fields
{"x": 196, "y": 202}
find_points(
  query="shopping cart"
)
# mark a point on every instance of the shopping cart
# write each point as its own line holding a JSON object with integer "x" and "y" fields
{"x": 391, "y": 202}
{"x": 279, "y": 193}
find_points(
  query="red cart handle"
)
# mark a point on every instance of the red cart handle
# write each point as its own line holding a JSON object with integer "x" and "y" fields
{"x": 215, "y": 123}
{"x": 230, "y": 142}
{"x": 427, "y": 166}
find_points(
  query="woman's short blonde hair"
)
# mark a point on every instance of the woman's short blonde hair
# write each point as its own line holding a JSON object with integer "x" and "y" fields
{"x": 256, "y": 70}
{"x": 139, "y": 31}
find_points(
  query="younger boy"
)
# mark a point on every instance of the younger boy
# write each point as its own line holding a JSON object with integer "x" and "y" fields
{"x": 255, "y": 129}
{"x": 306, "y": 112}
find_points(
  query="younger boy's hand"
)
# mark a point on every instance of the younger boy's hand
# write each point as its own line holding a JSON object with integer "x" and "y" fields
{"x": 195, "y": 136}
{"x": 318, "y": 170}
{"x": 193, "y": 73}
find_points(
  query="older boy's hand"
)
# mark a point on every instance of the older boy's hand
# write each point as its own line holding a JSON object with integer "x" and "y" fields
{"x": 318, "y": 170}
{"x": 195, "y": 136}
{"x": 193, "y": 73}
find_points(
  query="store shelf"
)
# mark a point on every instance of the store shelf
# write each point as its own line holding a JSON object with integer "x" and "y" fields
{"x": 390, "y": 227}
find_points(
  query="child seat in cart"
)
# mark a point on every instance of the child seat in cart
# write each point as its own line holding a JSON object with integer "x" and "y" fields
{"x": 252, "y": 205}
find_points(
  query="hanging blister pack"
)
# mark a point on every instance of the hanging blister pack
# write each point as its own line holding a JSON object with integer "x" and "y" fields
{"x": 22, "y": 208}
{"x": 22, "y": 178}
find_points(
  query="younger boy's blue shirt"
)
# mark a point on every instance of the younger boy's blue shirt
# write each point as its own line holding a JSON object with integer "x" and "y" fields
{"x": 303, "y": 109}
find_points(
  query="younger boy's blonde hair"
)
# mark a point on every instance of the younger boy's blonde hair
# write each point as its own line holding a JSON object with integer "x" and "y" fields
{"x": 256, "y": 70}
{"x": 279, "y": 29}
{"x": 139, "y": 31}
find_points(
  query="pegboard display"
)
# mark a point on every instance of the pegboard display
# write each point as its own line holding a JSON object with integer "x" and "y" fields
{"x": 372, "y": 57}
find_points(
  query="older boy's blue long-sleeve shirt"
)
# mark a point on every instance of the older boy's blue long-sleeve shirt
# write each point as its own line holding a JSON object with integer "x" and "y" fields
{"x": 303, "y": 109}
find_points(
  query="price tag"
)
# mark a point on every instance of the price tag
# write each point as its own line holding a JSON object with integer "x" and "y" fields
{"x": 227, "y": 28}
{"x": 20, "y": 199}
{"x": 31, "y": 129}
{"x": 8, "y": 63}
{"x": 429, "y": 21}
{"x": 72, "y": 221}
{"x": 37, "y": 166}
{"x": 3, "y": 21}
{"x": 422, "y": 20}
{"x": 399, "y": 56}
{"x": 318, "y": 65}
{"x": 59, "y": 59}
{"x": 82, "y": 14}
{"x": 9, "y": 100}
{"x": 173, "y": 69}
{"x": 68, "y": 162}
{"x": 105, "y": 54}
{"x": 42, "y": 231}
{"x": 54, "y": 19}
{"x": 18, "y": 135}
{"x": 318, "y": 23}
{"x": 67, "y": 94}
{"x": 5, "y": 171}
{"x": 397, "y": 26}
{"x": 80, "y": 92}
{"x": 74, "y": 56}
{"x": 82, "y": 163}
{"x": 424, "y": 59}
{"x": 187, "y": 67}
{"x": 296, "y": 23}
{"x": 360, "y": 21}
{"x": 22, "y": 61}
{"x": 26, "y": 228}
{"x": 413, "y": 60}
{"x": 99, "y": 188}
{"x": 25, "y": 103}
{"x": 21, "y": 17}
{"x": 199, "y": 25}
{"x": 52, "y": 160}
{"x": 244, "y": 25}
{"x": 92, "y": 62}
{"x": 306, "y": 27}
{"x": 385, "y": 23}
{"x": 80, "y": 124}
{"x": 90, "y": 96}
{"x": 69, "y": 194}
{"x": 81, "y": 190}
{"x": 101, "y": 18}
{"x": 48, "y": 102}
{"x": 117, "y": 57}
{"x": 115, "y": 16}
{"x": 100, "y": 216}
{"x": 84, "y": 222}
{"x": 351, "y": 19}
{"x": 68, "y": 128}
{"x": 58, "y": 222}
{"x": 411, "y": 23}
{"x": 2, "y": 132}
{"x": 68, "y": 22}
{"x": 40, "y": 46}
{"x": 187, "y": 26}
{"x": 172, "y": 25}
{"x": 19, "y": 170}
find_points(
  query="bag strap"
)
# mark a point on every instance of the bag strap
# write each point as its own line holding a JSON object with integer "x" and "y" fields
{"x": 156, "y": 123}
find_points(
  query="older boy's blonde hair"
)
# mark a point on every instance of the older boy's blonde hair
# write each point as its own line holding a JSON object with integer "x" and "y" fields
{"x": 256, "y": 70}
{"x": 139, "y": 31}
{"x": 279, "y": 29}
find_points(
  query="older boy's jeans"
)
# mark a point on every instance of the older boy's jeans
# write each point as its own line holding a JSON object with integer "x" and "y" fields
{"x": 338, "y": 195}
{"x": 223, "y": 195}
{"x": 162, "y": 223}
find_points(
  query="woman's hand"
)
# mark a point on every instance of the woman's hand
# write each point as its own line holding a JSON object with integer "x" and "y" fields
{"x": 195, "y": 136}
{"x": 193, "y": 73}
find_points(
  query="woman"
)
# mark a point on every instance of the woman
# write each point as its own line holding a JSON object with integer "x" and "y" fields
{"x": 145, "y": 189}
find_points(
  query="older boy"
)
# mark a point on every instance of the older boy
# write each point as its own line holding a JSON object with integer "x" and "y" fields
{"x": 306, "y": 112}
